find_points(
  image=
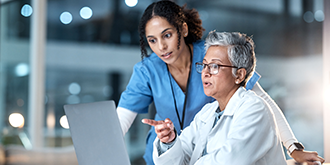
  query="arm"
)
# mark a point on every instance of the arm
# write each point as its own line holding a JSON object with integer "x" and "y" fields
{"x": 135, "y": 99}
{"x": 286, "y": 134}
{"x": 126, "y": 118}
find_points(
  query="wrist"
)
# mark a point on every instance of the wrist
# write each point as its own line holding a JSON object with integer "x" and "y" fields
{"x": 295, "y": 146}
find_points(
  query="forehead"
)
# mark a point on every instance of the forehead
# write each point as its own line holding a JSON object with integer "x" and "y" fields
{"x": 157, "y": 25}
{"x": 217, "y": 53}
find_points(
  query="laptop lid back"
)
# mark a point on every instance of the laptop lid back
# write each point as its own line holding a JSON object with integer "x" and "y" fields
{"x": 96, "y": 133}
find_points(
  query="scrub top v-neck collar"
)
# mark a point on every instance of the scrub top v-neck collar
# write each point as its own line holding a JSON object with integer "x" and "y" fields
{"x": 181, "y": 121}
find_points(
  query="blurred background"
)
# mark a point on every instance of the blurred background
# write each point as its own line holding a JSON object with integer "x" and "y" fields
{"x": 92, "y": 46}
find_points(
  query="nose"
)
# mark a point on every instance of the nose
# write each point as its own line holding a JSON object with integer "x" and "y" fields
{"x": 162, "y": 45}
{"x": 205, "y": 72}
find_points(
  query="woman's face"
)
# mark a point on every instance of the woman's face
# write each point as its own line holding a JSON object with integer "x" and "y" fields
{"x": 162, "y": 38}
{"x": 221, "y": 84}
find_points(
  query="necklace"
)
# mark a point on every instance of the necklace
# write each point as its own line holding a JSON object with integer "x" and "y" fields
{"x": 185, "y": 100}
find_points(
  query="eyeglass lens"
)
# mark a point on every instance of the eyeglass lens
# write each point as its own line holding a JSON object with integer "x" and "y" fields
{"x": 212, "y": 68}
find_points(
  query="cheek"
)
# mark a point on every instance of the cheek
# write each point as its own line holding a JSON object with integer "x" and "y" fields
{"x": 153, "y": 48}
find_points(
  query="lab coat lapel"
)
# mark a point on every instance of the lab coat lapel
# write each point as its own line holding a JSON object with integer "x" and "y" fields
{"x": 207, "y": 120}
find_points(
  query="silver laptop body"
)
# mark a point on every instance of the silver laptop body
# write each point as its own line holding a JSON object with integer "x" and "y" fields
{"x": 96, "y": 133}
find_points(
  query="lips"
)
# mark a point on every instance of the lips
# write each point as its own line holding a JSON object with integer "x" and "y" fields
{"x": 207, "y": 84}
{"x": 167, "y": 55}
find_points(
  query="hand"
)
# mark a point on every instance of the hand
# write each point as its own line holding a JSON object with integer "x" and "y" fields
{"x": 164, "y": 129}
{"x": 306, "y": 156}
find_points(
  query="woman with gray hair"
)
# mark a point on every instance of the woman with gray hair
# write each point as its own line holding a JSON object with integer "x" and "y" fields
{"x": 237, "y": 128}
{"x": 240, "y": 50}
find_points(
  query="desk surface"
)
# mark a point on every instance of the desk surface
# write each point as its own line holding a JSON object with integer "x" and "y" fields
{"x": 293, "y": 162}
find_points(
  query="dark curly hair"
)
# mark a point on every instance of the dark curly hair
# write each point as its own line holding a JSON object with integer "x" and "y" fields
{"x": 176, "y": 16}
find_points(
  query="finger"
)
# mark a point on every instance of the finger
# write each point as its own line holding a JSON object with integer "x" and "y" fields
{"x": 163, "y": 133}
{"x": 316, "y": 159}
{"x": 321, "y": 159}
{"x": 166, "y": 136}
{"x": 161, "y": 128}
{"x": 151, "y": 122}
{"x": 314, "y": 163}
{"x": 169, "y": 123}
{"x": 164, "y": 139}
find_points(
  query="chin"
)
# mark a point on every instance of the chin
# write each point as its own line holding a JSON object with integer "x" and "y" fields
{"x": 207, "y": 93}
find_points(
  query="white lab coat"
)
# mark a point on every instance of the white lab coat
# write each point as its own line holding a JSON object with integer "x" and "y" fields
{"x": 245, "y": 135}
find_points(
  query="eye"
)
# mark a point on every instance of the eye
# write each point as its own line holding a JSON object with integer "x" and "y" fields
{"x": 214, "y": 66}
{"x": 167, "y": 35}
{"x": 151, "y": 40}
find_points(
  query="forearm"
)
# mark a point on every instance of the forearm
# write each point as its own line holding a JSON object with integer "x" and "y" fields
{"x": 126, "y": 118}
{"x": 286, "y": 134}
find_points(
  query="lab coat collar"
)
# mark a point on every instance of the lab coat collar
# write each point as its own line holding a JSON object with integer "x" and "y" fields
{"x": 231, "y": 107}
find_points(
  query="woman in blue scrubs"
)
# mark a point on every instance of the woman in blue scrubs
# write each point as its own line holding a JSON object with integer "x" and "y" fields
{"x": 167, "y": 78}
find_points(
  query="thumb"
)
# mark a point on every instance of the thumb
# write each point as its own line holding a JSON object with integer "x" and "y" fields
{"x": 169, "y": 123}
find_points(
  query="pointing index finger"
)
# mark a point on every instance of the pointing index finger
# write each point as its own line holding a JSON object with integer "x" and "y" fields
{"x": 151, "y": 122}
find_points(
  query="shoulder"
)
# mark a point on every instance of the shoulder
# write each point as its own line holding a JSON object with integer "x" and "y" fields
{"x": 199, "y": 45}
{"x": 249, "y": 100}
{"x": 149, "y": 64}
{"x": 199, "y": 50}
{"x": 252, "y": 96}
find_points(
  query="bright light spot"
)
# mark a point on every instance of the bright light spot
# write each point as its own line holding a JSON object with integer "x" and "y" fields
{"x": 309, "y": 17}
{"x": 66, "y": 17}
{"x": 319, "y": 16}
{"x": 74, "y": 88}
{"x": 64, "y": 122}
{"x": 26, "y": 10}
{"x": 131, "y": 3}
{"x": 22, "y": 69}
{"x": 86, "y": 13}
{"x": 73, "y": 99}
{"x": 16, "y": 120}
{"x": 50, "y": 120}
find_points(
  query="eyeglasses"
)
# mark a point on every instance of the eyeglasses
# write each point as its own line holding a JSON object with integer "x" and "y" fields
{"x": 212, "y": 68}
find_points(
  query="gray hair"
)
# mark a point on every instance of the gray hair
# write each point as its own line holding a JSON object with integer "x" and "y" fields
{"x": 240, "y": 50}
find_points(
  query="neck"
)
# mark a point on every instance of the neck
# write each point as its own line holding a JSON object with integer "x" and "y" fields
{"x": 183, "y": 62}
{"x": 223, "y": 100}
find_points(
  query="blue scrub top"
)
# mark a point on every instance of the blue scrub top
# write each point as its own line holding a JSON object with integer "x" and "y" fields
{"x": 151, "y": 82}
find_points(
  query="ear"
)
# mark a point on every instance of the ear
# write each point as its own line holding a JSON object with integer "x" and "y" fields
{"x": 185, "y": 29}
{"x": 240, "y": 75}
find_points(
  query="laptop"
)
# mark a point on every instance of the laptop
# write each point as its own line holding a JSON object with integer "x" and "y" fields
{"x": 96, "y": 133}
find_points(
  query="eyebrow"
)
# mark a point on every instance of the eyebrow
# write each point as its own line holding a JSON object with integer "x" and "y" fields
{"x": 161, "y": 32}
{"x": 214, "y": 60}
